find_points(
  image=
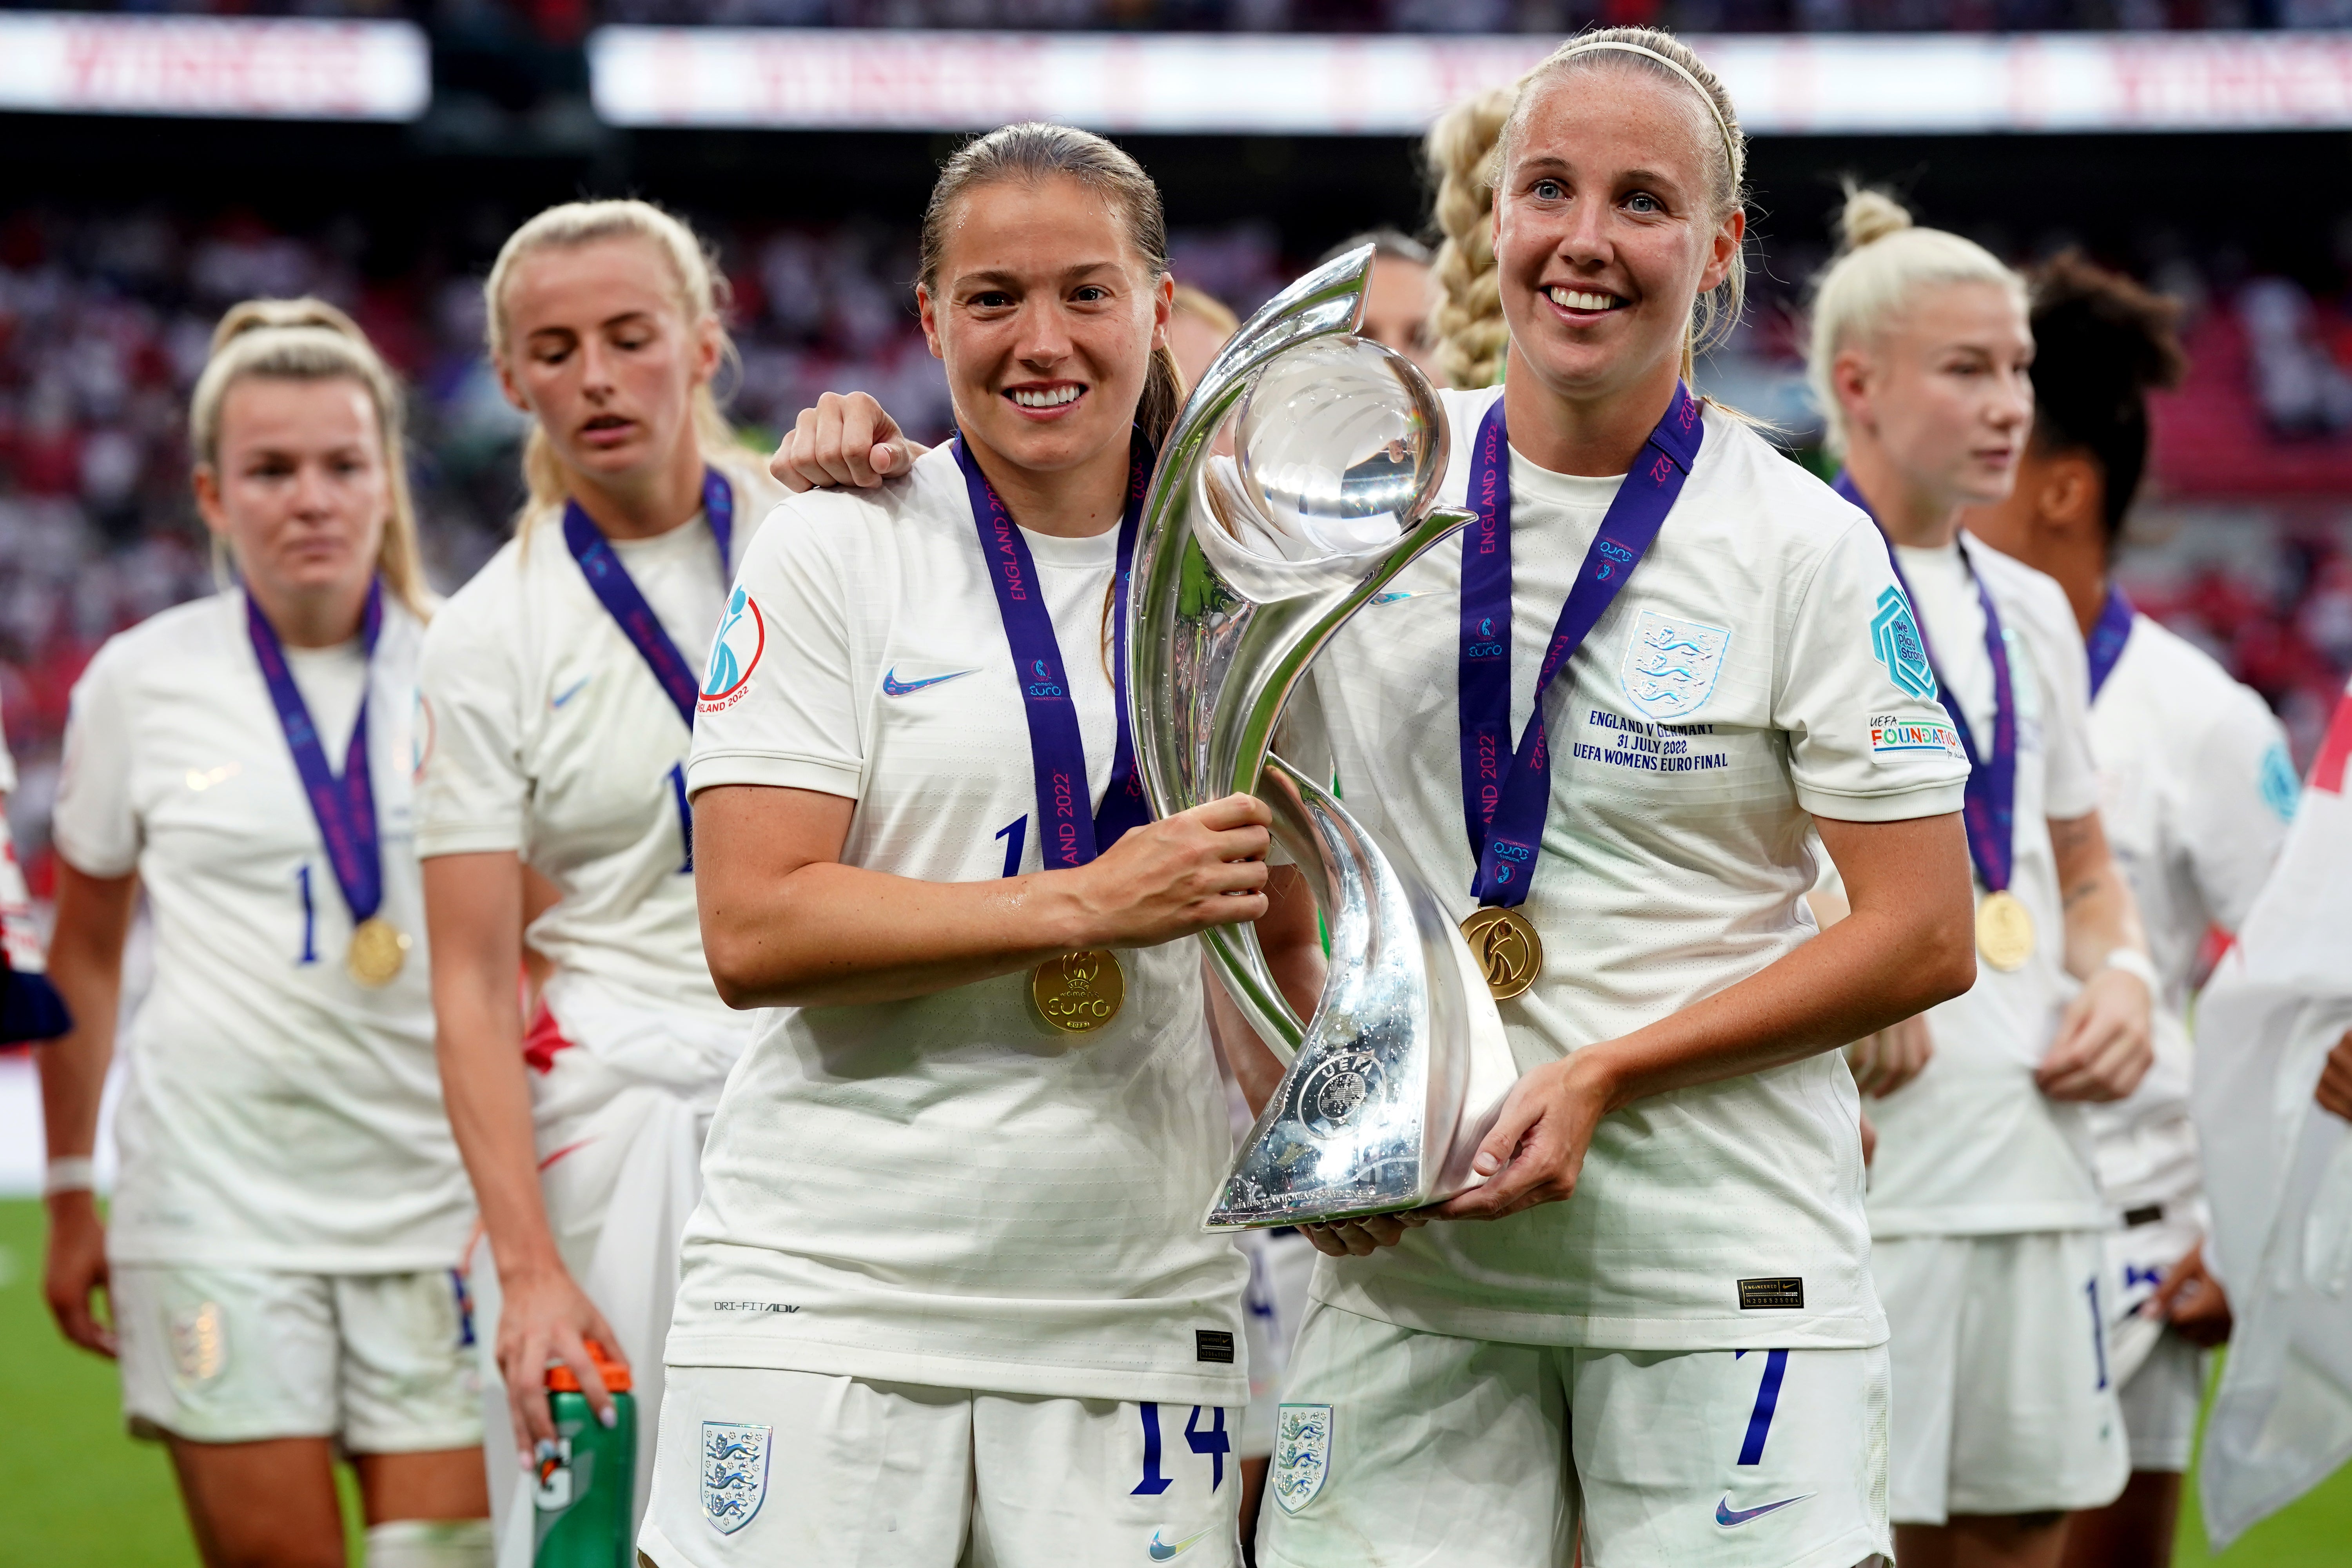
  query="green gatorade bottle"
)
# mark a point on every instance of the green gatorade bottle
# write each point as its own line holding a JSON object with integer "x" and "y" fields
{"x": 588, "y": 1476}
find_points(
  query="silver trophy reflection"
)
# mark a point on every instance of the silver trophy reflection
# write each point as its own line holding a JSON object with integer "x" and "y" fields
{"x": 1244, "y": 570}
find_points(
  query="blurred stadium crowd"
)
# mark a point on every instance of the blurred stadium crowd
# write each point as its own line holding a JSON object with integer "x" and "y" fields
{"x": 104, "y": 321}
{"x": 562, "y": 21}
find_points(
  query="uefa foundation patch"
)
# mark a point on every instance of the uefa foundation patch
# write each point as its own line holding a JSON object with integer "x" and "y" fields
{"x": 1302, "y": 1455}
{"x": 1894, "y": 740}
{"x": 734, "y": 1473}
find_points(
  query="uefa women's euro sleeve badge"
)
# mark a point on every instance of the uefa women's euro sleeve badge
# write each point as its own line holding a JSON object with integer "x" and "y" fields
{"x": 1244, "y": 570}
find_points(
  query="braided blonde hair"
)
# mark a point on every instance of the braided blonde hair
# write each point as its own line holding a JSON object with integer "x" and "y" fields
{"x": 1465, "y": 151}
{"x": 309, "y": 340}
{"x": 1471, "y": 338}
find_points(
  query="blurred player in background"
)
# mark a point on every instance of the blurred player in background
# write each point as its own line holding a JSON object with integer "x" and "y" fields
{"x": 559, "y": 691}
{"x": 948, "y": 1298}
{"x": 30, "y": 1008}
{"x": 1985, "y": 1206}
{"x": 1401, "y": 297}
{"x": 2197, "y": 792}
{"x": 1198, "y": 325}
{"x": 282, "y": 1260}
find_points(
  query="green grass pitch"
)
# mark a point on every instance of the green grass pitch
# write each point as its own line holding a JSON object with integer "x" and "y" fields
{"x": 77, "y": 1492}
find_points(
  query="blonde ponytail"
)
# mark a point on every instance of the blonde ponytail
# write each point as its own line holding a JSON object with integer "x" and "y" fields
{"x": 1882, "y": 262}
{"x": 1471, "y": 336}
{"x": 309, "y": 340}
{"x": 702, "y": 295}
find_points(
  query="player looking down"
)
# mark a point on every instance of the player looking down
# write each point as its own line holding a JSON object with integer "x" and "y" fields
{"x": 286, "y": 1228}
{"x": 2197, "y": 790}
{"x": 1674, "y": 1260}
{"x": 947, "y": 1298}
{"x": 559, "y": 689}
{"x": 1985, "y": 1208}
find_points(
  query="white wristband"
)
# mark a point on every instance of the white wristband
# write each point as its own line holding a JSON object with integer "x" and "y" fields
{"x": 2133, "y": 961}
{"x": 72, "y": 1174}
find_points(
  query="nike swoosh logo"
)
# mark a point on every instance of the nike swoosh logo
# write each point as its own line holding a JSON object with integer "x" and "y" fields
{"x": 894, "y": 686}
{"x": 1161, "y": 1550}
{"x": 560, "y": 698}
{"x": 1731, "y": 1518}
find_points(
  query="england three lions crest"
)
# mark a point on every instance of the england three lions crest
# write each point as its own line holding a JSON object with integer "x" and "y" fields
{"x": 1302, "y": 1455}
{"x": 734, "y": 1473}
{"x": 1671, "y": 665}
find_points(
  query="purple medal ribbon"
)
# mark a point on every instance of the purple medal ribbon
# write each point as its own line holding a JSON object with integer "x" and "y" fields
{"x": 1504, "y": 803}
{"x": 1989, "y": 805}
{"x": 2108, "y": 635}
{"x": 1070, "y": 836}
{"x": 344, "y": 806}
{"x": 610, "y": 582}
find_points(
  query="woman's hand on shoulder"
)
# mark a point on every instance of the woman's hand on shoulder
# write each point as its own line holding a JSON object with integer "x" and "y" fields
{"x": 75, "y": 1270}
{"x": 843, "y": 442}
{"x": 1179, "y": 876}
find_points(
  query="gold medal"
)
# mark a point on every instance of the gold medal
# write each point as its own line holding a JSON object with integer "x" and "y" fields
{"x": 1505, "y": 943}
{"x": 2004, "y": 930}
{"x": 1078, "y": 992}
{"x": 377, "y": 952}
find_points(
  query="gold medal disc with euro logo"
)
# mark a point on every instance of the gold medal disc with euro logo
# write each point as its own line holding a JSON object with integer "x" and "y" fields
{"x": 2004, "y": 930}
{"x": 1078, "y": 992}
{"x": 1506, "y": 947}
{"x": 378, "y": 951}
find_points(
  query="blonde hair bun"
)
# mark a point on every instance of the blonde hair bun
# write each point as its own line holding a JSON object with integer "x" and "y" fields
{"x": 1869, "y": 216}
{"x": 259, "y": 315}
{"x": 1884, "y": 262}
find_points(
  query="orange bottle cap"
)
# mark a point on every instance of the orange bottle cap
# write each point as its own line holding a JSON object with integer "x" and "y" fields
{"x": 561, "y": 1380}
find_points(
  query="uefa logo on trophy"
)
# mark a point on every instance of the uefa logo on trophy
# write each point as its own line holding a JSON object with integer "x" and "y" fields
{"x": 1246, "y": 568}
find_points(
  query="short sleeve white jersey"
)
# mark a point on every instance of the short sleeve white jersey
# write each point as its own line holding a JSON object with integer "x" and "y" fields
{"x": 1745, "y": 678}
{"x": 943, "y": 1191}
{"x": 1971, "y": 1146}
{"x": 277, "y": 1114}
{"x": 544, "y": 732}
{"x": 2197, "y": 790}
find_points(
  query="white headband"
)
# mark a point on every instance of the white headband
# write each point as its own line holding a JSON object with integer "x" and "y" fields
{"x": 1730, "y": 146}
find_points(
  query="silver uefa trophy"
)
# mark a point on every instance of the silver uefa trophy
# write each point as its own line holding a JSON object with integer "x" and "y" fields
{"x": 1244, "y": 569}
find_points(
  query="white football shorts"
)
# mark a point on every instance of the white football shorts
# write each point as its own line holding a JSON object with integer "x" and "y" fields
{"x": 2004, "y": 1401}
{"x": 2160, "y": 1401}
{"x": 1282, "y": 1266}
{"x": 762, "y": 1469}
{"x": 1421, "y": 1450}
{"x": 383, "y": 1363}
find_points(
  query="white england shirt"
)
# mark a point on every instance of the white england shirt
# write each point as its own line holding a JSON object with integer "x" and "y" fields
{"x": 2197, "y": 790}
{"x": 942, "y": 1191}
{"x": 276, "y": 1114}
{"x": 1674, "y": 864}
{"x": 1971, "y": 1146}
{"x": 544, "y": 733}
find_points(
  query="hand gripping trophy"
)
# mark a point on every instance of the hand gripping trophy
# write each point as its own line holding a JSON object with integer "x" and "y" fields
{"x": 1246, "y": 568}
